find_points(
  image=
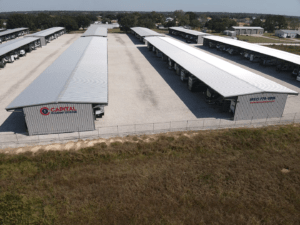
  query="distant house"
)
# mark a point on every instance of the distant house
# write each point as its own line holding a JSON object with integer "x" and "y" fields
{"x": 247, "y": 30}
{"x": 169, "y": 19}
{"x": 287, "y": 33}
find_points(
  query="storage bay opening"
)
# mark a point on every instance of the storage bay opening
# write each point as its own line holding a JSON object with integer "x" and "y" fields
{"x": 233, "y": 89}
{"x": 70, "y": 94}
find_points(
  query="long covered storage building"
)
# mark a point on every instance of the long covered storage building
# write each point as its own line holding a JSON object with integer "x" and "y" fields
{"x": 49, "y": 34}
{"x": 13, "y": 50}
{"x": 13, "y": 33}
{"x": 142, "y": 32}
{"x": 189, "y": 35}
{"x": 70, "y": 93}
{"x": 284, "y": 61}
{"x": 243, "y": 93}
{"x": 95, "y": 31}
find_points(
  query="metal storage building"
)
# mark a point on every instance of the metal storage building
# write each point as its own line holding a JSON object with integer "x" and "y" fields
{"x": 287, "y": 33}
{"x": 95, "y": 30}
{"x": 191, "y": 35}
{"x": 13, "y": 33}
{"x": 274, "y": 53}
{"x": 11, "y": 50}
{"x": 247, "y": 30}
{"x": 247, "y": 95}
{"x": 70, "y": 93}
{"x": 49, "y": 34}
{"x": 142, "y": 32}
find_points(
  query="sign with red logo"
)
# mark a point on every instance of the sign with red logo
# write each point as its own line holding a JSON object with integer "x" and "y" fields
{"x": 59, "y": 110}
{"x": 44, "y": 111}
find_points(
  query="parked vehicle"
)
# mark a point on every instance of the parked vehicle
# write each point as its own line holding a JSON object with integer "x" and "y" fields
{"x": 285, "y": 67}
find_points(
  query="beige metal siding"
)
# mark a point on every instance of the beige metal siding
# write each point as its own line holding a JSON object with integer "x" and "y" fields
{"x": 263, "y": 106}
{"x": 82, "y": 120}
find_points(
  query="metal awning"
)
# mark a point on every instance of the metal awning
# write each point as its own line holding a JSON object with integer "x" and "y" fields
{"x": 46, "y": 32}
{"x": 145, "y": 32}
{"x": 95, "y": 30}
{"x": 11, "y": 31}
{"x": 286, "y": 56}
{"x": 15, "y": 44}
{"x": 79, "y": 75}
{"x": 225, "y": 78}
{"x": 187, "y": 31}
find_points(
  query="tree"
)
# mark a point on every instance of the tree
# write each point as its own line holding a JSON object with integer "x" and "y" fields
{"x": 83, "y": 21}
{"x": 191, "y": 15}
{"x": 21, "y": 20}
{"x": 127, "y": 21}
{"x": 257, "y": 22}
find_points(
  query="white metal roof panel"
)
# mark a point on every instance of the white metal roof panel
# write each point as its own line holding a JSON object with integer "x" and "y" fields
{"x": 258, "y": 48}
{"x": 227, "y": 79}
{"x": 15, "y": 44}
{"x": 79, "y": 75}
{"x": 243, "y": 28}
{"x": 187, "y": 31}
{"x": 95, "y": 30}
{"x": 291, "y": 31}
{"x": 10, "y": 31}
{"x": 145, "y": 32}
{"x": 46, "y": 32}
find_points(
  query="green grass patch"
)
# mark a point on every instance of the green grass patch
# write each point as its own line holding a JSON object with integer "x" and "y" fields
{"x": 208, "y": 177}
{"x": 255, "y": 39}
{"x": 291, "y": 49}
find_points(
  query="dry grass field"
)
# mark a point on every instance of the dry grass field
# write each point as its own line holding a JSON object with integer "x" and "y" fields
{"x": 291, "y": 49}
{"x": 239, "y": 176}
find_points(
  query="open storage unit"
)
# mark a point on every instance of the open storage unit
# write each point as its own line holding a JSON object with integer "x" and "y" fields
{"x": 191, "y": 36}
{"x": 283, "y": 61}
{"x": 13, "y": 50}
{"x": 13, "y": 33}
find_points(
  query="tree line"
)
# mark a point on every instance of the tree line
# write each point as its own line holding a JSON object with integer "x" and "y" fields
{"x": 44, "y": 21}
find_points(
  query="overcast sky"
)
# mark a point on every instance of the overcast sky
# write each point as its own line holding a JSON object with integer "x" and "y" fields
{"x": 287, "y": 7}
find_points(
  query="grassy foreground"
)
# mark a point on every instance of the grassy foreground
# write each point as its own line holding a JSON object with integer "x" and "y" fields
{"x": 218, "y": 177}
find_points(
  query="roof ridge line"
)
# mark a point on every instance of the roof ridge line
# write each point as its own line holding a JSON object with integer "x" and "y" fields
{"x": 62, "y": 92}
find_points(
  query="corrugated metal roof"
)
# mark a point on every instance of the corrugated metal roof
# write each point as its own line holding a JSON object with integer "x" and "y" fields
{"x": 227, "y": 79}
{"x": 108, "y": 26}
{"x": 145, "y": 32}
{"x": 10, "y": 31}
{"x": 291, "y": 31}
{"x": 187, "y": 31}
{"x": 15, "y": 44}
{"x": 79, "y": 75}
{"x": 258, "y": 48}
{"x": 259, "y": 28}
{"x": 95, "y": 30}
{"x": 46, "y": 32}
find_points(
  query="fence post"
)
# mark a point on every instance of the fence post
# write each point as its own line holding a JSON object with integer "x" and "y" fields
{"x": 220, "y": 123}
{"x": 134, "y": 128}
{"x": 78, "y": 135}
{"x": 17, "y": 138}
{"x": 266, "y": 120}
{"x": 98, "y": 133}
{"x": 187, "y": 123}
{"x": 294, "y": 118}
{"x": 203, "y": 124}
{"x": 251, "y": 120}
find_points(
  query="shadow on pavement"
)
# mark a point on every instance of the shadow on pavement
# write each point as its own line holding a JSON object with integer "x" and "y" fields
{"x": 14, "y": 123}
{"x": 194, "y": 101}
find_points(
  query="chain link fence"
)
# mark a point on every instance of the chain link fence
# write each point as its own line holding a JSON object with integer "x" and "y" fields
{"x": 22, "y": 139}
